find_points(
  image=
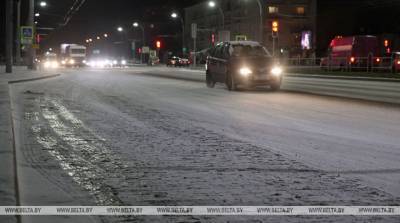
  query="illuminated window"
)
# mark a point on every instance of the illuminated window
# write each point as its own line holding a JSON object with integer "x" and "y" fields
{"x": 273, "y": 9}
{"x": 300, "y": 10}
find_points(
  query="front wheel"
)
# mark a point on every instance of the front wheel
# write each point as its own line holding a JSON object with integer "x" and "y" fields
{"x": 210, "y": 81}
{"x": 276, "y": 86}
{"x": 230, "y": 83}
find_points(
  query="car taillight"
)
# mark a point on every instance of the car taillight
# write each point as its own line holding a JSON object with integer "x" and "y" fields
{"x": 378, "y": 60}
{"x": 398, "y": 62}
{"x": 352, "y": 59}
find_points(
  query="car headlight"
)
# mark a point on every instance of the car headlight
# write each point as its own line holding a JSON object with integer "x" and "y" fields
{"x": 72, "y": 61}
{"x": 47, "y": 64}
{"x": 63, "y": 62}
{"x": 123, "y": 62}
{"x": 54, "y": 64}
{"x": 276, "y": 71}
{"x": 245, "y": 71}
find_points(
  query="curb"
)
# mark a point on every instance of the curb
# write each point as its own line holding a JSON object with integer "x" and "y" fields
{"x": 33, "y": 79}
{"x": 18, "y": 219}
{"x": 343, "y": 77}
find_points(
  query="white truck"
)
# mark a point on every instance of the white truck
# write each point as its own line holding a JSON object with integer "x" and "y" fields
{"x": 73, "y": 55}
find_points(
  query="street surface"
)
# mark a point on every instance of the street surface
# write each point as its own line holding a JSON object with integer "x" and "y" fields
{"x": 159, "y": 136}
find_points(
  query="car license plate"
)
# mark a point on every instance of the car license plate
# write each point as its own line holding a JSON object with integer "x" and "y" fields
{"x": 261, "y": 77}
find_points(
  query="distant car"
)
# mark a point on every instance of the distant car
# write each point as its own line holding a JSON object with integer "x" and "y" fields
{"x": 242, "y": 63}
{"x": 184, "y": 62}
{"x": 173, "y": 61}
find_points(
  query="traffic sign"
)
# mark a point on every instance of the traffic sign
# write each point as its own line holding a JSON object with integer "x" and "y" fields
{"x": 27, "y": 34}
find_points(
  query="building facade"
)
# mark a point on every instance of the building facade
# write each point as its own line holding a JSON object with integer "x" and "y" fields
{"x": 253, "y": 20}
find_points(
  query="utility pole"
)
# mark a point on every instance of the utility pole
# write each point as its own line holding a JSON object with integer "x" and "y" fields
{"x": 261, "y": 7}
{"x": 18, "y": 33}
{"x": 30, "y": 22}
{"x": 9, "y": 36}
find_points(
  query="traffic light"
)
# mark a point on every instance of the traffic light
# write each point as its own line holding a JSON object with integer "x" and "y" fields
{"x": 275, "y": 28}
{"x": 158, "y": 44}
{"x": 386, "y": 43}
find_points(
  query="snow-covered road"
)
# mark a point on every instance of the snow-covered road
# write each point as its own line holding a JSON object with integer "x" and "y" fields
{"x": 121, "y": 137}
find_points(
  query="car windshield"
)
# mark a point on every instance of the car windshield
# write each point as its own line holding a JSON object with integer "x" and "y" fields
{"x": 241, "y": 50}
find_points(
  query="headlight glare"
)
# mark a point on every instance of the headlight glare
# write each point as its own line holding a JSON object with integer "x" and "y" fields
{"x": 276, "y": 71}
{"x": 245, "y": 71}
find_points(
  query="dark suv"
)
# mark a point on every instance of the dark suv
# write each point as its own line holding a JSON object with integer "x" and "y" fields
{"x": 242, "y": 63}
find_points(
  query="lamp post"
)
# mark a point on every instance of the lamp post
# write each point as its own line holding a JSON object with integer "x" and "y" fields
{"x": 175, "y": 15}
{"x": 9, "y": 35}
{"x": 213, "y": 4}
{"x": 260, "y": 5}
{"x": 136, "y": 24}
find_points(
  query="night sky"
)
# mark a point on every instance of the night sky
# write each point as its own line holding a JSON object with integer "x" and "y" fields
{"x": 335, "y": 17}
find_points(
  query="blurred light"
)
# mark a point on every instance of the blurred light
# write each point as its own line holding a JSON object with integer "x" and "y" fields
{"x": 90, "y": 40}
{"x": 63, "y": 62}
{"x": 398, "y": 62}
{"x": 378, "y": 60}
{"x": 123, "y": 62}
{"x": 54, "y": 64}
{"x": 135, "y": 24}
{"x": 50, "y": 49}
{"x": 386, "y": 43}
{"x": 352, "y": 59}
{"x": 47, "y": 64}
{"x": 105, "y": 35}
{"x": 211, "y": 4}
{"x": 36, "y": 22}
{"x": 245, "y": 71}
{"x": 37, "y": 14}
{"x": 43, "y": 4}
{"x": 72, "y": 61}
{"x": 275, "y": 26}
{"x": 98, "y": 37}
{"x": 120, "y": 29}
{"x": 115, "y": 62}
{"x": 174, "y": 15}
{"x": 276, "y": 71}
{"x": 87, "y": 41}
{"x": 158, "y": 44}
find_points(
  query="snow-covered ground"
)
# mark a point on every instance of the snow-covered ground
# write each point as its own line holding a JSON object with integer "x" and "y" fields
{"x": 119, "y": 137}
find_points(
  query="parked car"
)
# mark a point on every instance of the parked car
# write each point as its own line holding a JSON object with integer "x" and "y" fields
{"x": 242, "y": 63}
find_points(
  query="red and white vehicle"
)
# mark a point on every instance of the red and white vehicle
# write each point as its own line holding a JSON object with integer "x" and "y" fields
{"x": 354, "y": 51}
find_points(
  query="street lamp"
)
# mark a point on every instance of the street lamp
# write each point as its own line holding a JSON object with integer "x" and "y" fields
{"x": 136, "y": 25}
{"x": 175, "y": 15}
{"x": 213, "y": 4}
{"x": 43, "y": 4}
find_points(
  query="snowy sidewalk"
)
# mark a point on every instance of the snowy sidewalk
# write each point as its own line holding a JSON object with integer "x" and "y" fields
{"x": 8, "y": 184}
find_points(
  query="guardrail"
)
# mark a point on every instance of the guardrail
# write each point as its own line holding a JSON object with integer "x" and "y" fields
{"x": 368, "y": 64}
